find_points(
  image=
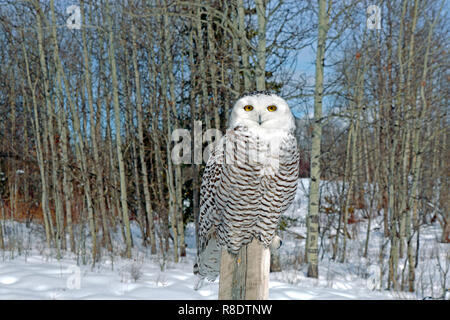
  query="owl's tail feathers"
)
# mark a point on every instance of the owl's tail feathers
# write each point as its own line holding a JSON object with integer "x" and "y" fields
{"x": 198, "y": 279}
{"x": 208, "y": 261}
{"x": 198, "y": 282}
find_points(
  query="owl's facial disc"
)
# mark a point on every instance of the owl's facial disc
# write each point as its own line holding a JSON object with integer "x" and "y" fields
{"x": 262, "y": 111}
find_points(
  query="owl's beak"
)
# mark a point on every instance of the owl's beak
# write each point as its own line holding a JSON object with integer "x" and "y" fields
{"x": 259, "y": 119}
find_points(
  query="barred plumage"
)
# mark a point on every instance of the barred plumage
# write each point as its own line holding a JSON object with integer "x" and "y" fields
{"x": 250, "y": 179}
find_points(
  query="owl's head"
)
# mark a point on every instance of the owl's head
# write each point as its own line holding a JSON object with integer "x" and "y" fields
{"x": 262, "y": 110}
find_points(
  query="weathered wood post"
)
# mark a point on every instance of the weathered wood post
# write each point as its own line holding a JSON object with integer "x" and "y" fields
{"x": 245, "y": 276}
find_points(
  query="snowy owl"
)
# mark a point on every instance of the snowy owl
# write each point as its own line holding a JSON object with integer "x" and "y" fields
{"x": 250, "y": 179}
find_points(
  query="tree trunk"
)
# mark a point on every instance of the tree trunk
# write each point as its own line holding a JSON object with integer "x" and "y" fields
{"x": 243, "y": 44}
{"x": 45, "y": 187}
{"x": 261, "y": 50}
{"x": 143, "y": 160}
{"x": 123, "y": 182}
{"x": 95, "y": 139}
{"x": 313, "y": 204}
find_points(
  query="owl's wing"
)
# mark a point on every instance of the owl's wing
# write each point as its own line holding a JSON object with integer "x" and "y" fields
{"x": 287, "y": 179}
{"x": 208, "y": 254}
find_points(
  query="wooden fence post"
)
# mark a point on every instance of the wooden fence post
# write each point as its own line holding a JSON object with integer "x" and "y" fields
{"x": 245, "y": 276}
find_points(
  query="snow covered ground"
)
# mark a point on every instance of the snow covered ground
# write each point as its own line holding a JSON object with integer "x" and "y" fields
{"x": 32, "y": 272}
{"x": 41, "y": 278}
{"x": 38, "y": 277}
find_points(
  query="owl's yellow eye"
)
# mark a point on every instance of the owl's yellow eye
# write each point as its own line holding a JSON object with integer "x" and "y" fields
{"x": 272, "y": 108}
{"x": 248, "y": 108}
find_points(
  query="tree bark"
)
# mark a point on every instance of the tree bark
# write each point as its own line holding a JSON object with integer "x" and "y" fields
{"x": 245, "y": 276}
{"x": 313, "y": 202}
{"x": 123, "y": 182}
